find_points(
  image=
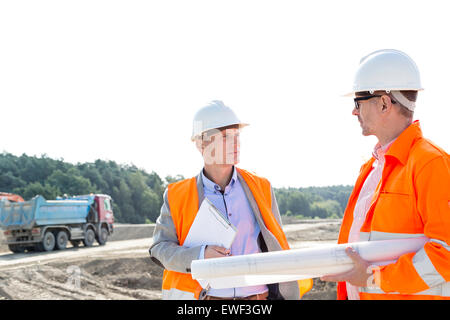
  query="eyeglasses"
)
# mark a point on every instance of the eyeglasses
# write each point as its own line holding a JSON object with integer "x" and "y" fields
{"x": 357, "y": 106}
{"x": 357, "y": 100}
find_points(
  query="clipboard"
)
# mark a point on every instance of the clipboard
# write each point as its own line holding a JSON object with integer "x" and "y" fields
{"x": 210, "y": 227}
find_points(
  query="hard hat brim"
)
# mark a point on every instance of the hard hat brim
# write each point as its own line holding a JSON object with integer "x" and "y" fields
{"x": 352, "y": 93}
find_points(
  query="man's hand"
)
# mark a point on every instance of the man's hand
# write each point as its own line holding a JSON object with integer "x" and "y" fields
{"x": 357, "y": 276}
{"x": 216, "y": 252}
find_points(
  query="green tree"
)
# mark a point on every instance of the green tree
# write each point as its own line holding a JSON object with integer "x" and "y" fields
{"x": 71, "y": 182}
{"x": 297, "y": 204}
{"x": 36, "y": 188}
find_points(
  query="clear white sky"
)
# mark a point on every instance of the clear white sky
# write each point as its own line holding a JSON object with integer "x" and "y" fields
{"x": 121, "y": 80}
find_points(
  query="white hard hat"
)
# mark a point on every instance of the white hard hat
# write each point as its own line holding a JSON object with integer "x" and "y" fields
{"x": 213, "y": 116}
{"x": 387, "y": 70}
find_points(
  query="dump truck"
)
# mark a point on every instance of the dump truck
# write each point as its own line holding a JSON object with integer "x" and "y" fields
{"x": 45, "y": 225}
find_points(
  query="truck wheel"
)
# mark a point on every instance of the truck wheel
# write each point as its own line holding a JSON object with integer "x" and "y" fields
{"x": 61, "y": 240}
{"x": 103, "y": 236}
{"x": 48, "y": 243}
{"x": 16, "y": 248}
{"x": 89, "y": 238}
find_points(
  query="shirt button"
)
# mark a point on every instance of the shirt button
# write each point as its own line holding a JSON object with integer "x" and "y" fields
{"x": 229, "y": 214}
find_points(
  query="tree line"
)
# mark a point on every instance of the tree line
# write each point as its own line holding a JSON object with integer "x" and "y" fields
{"x": 138, "y": 195}
{"x": 313, "y": 202}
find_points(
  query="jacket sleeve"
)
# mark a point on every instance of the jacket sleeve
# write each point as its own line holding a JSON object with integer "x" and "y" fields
{"x": 430, "y": 266}
{"x": 166, "y": 250}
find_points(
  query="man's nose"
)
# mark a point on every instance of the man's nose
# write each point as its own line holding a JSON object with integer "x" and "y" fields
{"x": 355, "y": 112}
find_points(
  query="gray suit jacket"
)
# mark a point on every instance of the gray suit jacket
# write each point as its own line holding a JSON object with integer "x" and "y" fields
{"x": 166, "y": 251}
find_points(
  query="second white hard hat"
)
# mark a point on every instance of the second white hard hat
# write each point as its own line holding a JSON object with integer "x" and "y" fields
{"x": 388, "y": 70}
{"x": 213, "y": 116}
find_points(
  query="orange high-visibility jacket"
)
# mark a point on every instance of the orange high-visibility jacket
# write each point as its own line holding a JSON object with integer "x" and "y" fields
{"x": 184, "y": 204}
{"x": 411, "y": 200}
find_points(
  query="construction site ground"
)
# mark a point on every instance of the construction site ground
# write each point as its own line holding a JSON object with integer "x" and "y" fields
{"x": 122, "y": 269}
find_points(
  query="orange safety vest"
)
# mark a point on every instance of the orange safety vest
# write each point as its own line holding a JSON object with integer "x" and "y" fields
{"x": 184, "y": 204}
{"x": 411, "y": 200}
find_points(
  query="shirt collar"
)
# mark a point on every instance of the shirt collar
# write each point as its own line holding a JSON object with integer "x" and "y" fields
{"x": 379, "y": 151}
{"x": 214, "y": 187}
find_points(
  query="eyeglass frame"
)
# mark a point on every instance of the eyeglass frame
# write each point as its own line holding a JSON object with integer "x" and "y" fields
{"x": 356, "y": 100}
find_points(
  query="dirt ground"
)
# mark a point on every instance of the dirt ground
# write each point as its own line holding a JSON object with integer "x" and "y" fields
{"x": 118, "y": 271}
{"x": 92, "y": 278}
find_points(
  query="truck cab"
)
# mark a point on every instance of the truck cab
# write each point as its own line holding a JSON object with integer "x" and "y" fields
{"x": 100, "y": 214}
{"x": 105, "y": 213}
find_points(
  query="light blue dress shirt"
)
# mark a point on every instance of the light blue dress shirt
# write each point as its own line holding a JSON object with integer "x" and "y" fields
{"x": 235, "y": 207}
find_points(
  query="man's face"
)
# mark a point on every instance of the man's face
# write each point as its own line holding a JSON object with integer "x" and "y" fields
{"x": 368, "y": 115}
{"x": 220, "y": 147}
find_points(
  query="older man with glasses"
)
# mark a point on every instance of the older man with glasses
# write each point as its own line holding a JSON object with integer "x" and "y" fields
{"x": 402, "y": 192}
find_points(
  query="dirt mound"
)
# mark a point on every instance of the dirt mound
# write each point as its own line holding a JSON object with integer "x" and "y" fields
{"x": 128, "y": 278}
{"x": 132, "y": 273}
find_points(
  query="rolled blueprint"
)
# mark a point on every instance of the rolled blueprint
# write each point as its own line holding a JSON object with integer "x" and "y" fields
{"x": 296, "y": 264}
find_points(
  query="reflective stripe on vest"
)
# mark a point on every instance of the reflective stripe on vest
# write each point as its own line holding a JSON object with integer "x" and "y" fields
{"x": 424, "y": 267}
{"x": 421, "y": 261}
{"x": 441, "y": 291}
{"x": 175, "y": 294}
{"x": 184, "y": 203}
{"x": 377, "y": 235}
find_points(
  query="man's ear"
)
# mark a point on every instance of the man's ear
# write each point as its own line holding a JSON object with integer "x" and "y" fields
{"x": 386, "y": 103}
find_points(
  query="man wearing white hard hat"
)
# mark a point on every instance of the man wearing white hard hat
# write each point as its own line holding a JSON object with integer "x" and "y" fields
{"x": 245, "y": 199}
{"x": 403, "y": 191}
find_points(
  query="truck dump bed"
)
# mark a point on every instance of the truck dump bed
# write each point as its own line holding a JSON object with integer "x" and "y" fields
{"x": 38, "y": 211}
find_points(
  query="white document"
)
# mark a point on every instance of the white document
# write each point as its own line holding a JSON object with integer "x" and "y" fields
{"x": 210, "y": 227}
